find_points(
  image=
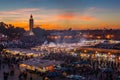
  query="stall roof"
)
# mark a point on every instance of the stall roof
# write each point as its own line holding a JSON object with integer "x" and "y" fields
{"x": 25, "y": 51}
{"x": 38, "y": 62}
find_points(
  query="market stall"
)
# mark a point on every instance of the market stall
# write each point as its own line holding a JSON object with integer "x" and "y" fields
{"x": 39, "y": 65}
{"x": 22, "y": 52}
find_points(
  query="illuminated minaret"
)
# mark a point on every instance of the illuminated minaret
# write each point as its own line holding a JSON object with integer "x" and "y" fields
{"x": 31, "y": 24}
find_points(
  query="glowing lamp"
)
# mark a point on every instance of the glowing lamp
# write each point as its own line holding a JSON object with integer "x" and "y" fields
{"x": 109, "y": 53}
{"x": 119, "y": 58}
{"x": 85, "y": 50}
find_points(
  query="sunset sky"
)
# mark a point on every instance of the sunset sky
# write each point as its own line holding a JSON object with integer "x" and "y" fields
{"x": 62, "y": 14}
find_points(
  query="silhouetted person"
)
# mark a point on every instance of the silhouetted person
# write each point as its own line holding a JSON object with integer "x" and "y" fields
{"x": 5, "y": 75}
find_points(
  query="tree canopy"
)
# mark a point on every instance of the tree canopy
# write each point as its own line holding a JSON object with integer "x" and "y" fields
{"x": 10, "y": 30}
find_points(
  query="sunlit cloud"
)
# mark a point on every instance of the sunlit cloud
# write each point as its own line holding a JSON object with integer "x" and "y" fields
{"x": 67, "y": 15}
{"x": 87, "y": 18}
{"x": 75, "y": 16}
{"x": 18, "y": 11}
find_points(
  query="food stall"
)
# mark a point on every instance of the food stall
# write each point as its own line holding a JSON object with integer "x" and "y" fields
{"x": 39, "y": 65}
{"x": 22, "y": 52}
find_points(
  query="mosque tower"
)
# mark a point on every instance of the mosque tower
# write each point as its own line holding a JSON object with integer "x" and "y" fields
{"x": 31, "y": 25}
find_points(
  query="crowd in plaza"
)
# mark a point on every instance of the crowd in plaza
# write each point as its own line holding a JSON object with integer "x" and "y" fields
{"x": 8, "y": 65}
{"x": 91, "y": 69}
{"x": 87, "y": 69}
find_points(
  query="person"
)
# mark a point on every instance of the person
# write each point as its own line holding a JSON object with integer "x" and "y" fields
{"x": 0, "y": 64}
{"x": 12, "y": 70}
{"x": 31, "y": 78}
{"x": 20, "y": 76}
{"x": 5, "y": 75}
{"x": 25, "y": 75}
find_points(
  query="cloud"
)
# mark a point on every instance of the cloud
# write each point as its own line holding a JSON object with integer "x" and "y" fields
{"x": 18, "y": 11}
{"x": 87, "y": 18}
{"x": 48, "y": 18}
{"x": 23, "y": 14}
{"x": 66, "y": 16}
{"x": 75, "y": 16}
{"x": 92, "y": 9}
{"x": 44, "y": 14}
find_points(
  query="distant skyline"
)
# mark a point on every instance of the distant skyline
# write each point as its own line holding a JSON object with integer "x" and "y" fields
{"x": 62, "y": 14}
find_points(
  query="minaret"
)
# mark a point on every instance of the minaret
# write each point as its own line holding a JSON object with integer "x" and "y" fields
{"x": 31, "y": 25}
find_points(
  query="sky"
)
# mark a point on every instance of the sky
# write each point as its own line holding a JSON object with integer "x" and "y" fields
{"x": 62, "y": 14}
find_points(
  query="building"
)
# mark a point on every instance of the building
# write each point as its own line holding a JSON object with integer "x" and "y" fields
{"x": 31, "y": 25}
{"x": 67, "y": 36}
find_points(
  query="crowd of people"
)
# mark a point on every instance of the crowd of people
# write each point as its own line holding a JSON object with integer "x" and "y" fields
{"x": 91, "y": 69}
{"x": 9, "y": 66}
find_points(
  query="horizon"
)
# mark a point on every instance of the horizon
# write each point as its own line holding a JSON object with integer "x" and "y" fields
{"x": 62, "y": 15}
{"x": 62, "y": 29}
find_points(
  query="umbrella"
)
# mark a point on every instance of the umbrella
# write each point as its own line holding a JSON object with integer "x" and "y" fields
{"x": 76, "y": 77}
{"x": 107, "y": 70}
{"x": 80, "y": 62}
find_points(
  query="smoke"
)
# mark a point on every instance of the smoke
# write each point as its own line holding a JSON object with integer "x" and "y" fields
{"x": 45, "y": 42}
{"x": 64, "y": 45}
